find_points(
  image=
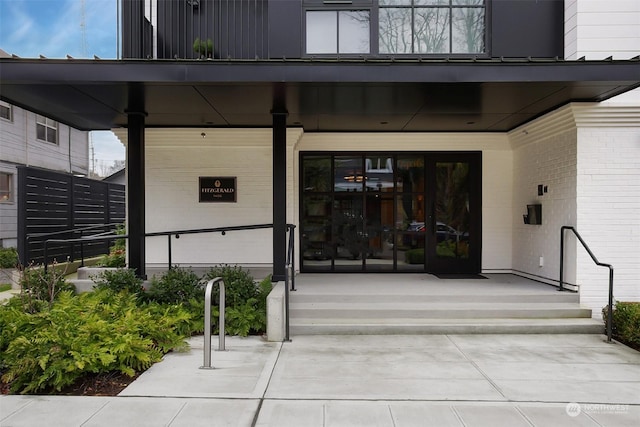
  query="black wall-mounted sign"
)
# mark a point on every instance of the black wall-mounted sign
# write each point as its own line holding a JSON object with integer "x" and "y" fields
{"x": 218, "y": 189}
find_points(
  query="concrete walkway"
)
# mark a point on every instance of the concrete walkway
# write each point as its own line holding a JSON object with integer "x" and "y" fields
{"x": 395, "y": 381}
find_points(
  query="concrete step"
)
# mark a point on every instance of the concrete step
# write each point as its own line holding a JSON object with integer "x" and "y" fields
{"x": 384, "y": 310}
{"x": 374, "y": 326}
{"x": 552, "y": 297}
{"x": 83, "y": 285}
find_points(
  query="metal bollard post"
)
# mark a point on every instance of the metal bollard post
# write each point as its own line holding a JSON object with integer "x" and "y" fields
{"x": 207, "y": 321}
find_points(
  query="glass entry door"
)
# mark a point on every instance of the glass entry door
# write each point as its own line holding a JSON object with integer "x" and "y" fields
{"x": 454, "y": 214}
{"x": 379, "y": 212}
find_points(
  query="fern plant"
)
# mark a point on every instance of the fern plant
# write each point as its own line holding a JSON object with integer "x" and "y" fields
{"x": 96, "y": 332}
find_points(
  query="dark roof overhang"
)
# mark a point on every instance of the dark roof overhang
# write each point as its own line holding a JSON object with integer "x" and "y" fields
{"x": 483, "y": 95}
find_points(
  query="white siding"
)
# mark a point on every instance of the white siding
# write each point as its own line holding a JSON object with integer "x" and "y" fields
{"x": 597, "y": 29}
{"x": 9, "y": 211}
{"x": 19, "y": 146}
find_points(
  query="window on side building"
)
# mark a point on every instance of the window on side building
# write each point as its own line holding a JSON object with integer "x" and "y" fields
{"x": 6, "y": 187}
{"x": 6, "y": 111}
{"x": 46, "y": 129}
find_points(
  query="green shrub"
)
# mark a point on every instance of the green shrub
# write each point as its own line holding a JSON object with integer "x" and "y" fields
{"x": 414, "y": 256}
{"x": 95, "y": 332}
{"x": 626, "y": 322}
{"x": 117, "y": 252}
{"x": 40, "y": 286}
{"x": 246, "y": 301}
{"x": 177, "y": 285}
{"x": 239, "y": 285}
{"x": 244, "y": 319}
{"x": 122, "y": 279}
{"x": 8, "y": 258}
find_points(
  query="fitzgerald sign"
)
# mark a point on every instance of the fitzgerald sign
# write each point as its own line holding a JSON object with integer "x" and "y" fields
{"x": 218, "y": 189}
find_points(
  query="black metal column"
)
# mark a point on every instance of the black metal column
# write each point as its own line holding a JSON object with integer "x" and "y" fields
{"x": 279, "y": 195}
{"x": 135, "y": 185}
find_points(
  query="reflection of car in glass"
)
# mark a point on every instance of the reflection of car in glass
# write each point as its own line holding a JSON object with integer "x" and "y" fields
{"x": 443, "y": 231}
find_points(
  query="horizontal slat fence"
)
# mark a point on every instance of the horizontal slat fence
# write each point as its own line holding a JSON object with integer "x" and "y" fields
{"x": 53, "y": 202}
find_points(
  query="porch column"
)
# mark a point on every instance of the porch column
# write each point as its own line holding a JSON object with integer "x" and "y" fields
{"x": 136, "y": 186}
{"x": 279, "y": 194}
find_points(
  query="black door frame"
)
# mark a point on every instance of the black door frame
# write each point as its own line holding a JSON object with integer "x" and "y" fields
{"x": 432, "y": 264}
{"x": 472, "y": 264}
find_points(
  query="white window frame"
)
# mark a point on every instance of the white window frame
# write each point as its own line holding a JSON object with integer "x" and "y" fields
{"x": 48, "y": 125}
{"x": 6, "y": 194}
{"x": 5, "y": 106}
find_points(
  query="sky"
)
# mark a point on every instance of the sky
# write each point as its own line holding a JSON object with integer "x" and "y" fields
{"x": 53, "y": 28}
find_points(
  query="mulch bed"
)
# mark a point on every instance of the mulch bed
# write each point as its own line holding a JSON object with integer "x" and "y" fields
{"x": 109, "y": 384}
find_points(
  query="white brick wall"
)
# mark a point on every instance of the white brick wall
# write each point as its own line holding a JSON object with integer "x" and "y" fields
{"x": 176, "y": 158}
{"x": 549, "y": 161}
{"x": 589, "y": 157}
{"x": 609, "y": 212}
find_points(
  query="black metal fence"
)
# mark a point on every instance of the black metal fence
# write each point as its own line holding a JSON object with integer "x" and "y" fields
{"x": 53, "y": 204}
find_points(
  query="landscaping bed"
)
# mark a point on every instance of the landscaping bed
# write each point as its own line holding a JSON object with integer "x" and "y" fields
{"x": 626, "y": 323}
{"x": 53, "y": 341}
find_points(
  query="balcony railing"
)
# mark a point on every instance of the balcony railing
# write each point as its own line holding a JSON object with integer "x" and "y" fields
{"x": 195, "y": 29}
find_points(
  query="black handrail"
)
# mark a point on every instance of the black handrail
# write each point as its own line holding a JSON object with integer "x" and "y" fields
{"x": 80, "y": 240}
{"x": 289, "y": 267}
{"x": 71, "y": 231}
{"x": 601, "y": 264}
{"x": 290, "y": 259}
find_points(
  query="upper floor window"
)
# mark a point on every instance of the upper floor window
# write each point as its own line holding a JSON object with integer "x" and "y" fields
{"x": 6, "y": 111}
{"x": 338, "y": 31}
{"x": 431, "y": 26}
{"x": 46, "y": 129}
{"x": 6, "y": 187}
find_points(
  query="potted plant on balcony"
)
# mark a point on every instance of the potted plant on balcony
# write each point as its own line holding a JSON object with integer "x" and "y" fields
{"x": 203, "y": 47}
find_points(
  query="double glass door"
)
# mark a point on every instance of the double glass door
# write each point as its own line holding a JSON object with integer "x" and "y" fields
{"x": 390, "y": 212}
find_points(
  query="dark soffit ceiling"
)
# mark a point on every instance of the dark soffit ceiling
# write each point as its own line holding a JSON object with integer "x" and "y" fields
{"x": 438, "y": 95}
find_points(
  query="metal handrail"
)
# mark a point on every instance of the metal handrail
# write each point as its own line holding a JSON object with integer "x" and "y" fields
{"x": 72, "y": 231}
{"x": 595, "y": 260}
{"x": 289, "y": 267}
{"x": 222, "y": 230}
{"x": 290, "y": 259}
{"x": 78, "y": 240}
{"x": 207, "y": 321}
{"x": 169, "y": 234}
